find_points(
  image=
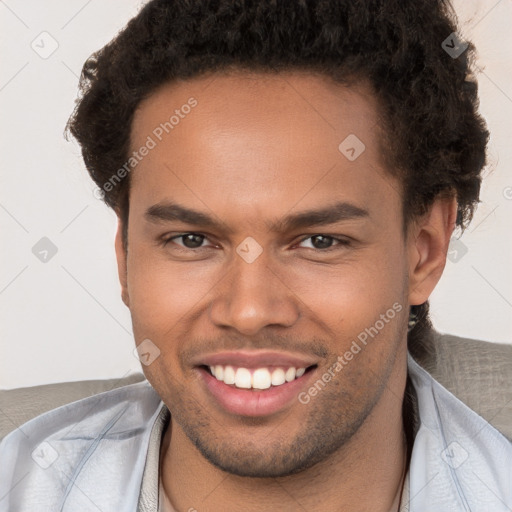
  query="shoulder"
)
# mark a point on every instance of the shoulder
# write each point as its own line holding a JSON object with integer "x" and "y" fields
{"x": 56, "y": 453}
{"x": 87, "y": 415}
{"x": 19, "y": 405}
{"x": 457, "y": 451}
{"x": 478, "y": 373}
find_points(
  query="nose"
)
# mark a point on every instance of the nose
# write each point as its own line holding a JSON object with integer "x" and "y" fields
{"x": 253, "y": 296}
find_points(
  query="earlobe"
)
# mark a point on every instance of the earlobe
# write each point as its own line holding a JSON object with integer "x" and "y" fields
{"x": 428, "y": 242}
{"x": 122, "y": 268}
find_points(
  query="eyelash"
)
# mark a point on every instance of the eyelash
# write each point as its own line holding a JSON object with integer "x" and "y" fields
{"x": 341, "y": 242}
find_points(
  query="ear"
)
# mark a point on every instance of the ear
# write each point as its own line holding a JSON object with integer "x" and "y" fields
{"x": 428, "y": 240}
{"x": 121, "y": 255}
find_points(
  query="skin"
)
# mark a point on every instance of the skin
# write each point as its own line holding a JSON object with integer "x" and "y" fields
{"x": 248, "y": 163}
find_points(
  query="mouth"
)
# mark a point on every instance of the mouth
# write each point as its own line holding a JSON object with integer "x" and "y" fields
{"x": 256, "y": 379}
{"x": 256, "y": 389}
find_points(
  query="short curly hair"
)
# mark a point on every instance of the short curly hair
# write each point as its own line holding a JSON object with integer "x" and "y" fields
{"x": 435, "y": 140}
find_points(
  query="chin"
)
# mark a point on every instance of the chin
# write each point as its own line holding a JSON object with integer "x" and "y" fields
{"x": 279, "y": 458}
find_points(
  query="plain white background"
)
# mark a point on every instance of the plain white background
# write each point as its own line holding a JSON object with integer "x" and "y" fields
{"x": 63, "y": 319}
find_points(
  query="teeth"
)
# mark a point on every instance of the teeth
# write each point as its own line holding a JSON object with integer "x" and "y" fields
{"x": 229, "y": 375}
{"x": 278, "y": 377}
{"x": 243, "y": 378}
{"x": 290, "y": 374}
{"x": 261, "y": 378}
{"x": 219, "y": 372}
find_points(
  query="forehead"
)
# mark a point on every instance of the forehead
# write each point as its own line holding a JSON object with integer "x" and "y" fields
{"x": 259, "y": 105}
{"x": 265, "y": 140}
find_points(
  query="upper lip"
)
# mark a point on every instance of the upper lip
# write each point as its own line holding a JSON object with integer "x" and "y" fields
{"x": 255, "y": 359}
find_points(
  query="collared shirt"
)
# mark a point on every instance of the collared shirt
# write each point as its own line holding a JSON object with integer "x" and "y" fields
{"x": 101, "y": 453}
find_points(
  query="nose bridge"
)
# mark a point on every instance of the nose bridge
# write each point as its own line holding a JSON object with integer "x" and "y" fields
{"x": 252, "y": 296}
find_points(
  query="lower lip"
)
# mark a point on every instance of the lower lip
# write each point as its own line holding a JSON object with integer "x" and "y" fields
{"x": 250, "y": 402}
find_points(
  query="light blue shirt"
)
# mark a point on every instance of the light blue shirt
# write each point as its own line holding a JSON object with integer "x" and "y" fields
{"x": 90, "y": 455}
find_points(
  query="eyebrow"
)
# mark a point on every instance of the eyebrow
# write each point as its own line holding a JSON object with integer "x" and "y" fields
{"x": 168, "y": 211}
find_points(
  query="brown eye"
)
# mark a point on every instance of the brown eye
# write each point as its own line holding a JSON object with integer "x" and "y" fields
{"x": 324, "y": 242}
{"x": 192, "y": 241}
{"x": 187, "y": 240}
{"x": 321, "y": 241}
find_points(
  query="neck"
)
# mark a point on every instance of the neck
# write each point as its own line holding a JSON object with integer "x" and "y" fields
{"x": 376, "y": 454}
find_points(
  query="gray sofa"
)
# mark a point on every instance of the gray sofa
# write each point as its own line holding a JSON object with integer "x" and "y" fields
{"x": 477, "y": 372}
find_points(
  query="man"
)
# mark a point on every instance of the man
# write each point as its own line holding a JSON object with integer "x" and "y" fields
{"x": 287, "y": 177}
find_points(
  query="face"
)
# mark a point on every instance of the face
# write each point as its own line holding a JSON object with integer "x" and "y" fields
{"x": 257, "y": 242}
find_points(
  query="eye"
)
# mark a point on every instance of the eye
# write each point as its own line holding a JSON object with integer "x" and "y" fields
{"x": 325, "y": 242}
{"x": 188, "y": 240}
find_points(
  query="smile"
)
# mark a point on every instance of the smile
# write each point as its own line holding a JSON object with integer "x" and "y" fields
{"x": 254, "y": 383}
{"x": 260, "y": 378}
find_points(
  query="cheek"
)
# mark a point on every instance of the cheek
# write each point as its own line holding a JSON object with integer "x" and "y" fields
{"x": 163, "y": 292}
{"x": 351, "y": 296}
